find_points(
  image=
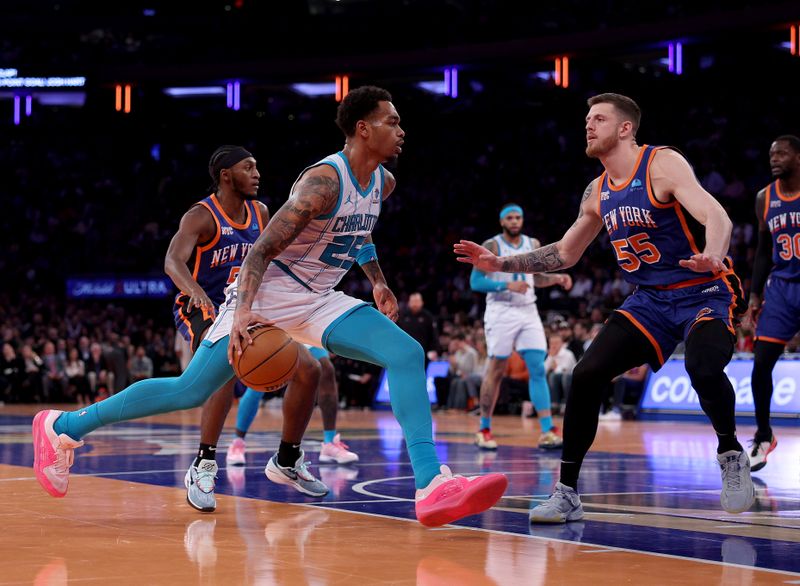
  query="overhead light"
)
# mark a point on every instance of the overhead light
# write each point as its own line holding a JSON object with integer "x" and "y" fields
{"x": 193, "y": 92}
{"x": 315, "y": 89}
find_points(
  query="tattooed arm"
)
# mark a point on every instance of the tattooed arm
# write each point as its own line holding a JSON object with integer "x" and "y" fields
{"x": 314, "y": 194}
{"x": 549, "y": 279}
{"x": 384, "y": 297}
{"x": 560, "y": 255}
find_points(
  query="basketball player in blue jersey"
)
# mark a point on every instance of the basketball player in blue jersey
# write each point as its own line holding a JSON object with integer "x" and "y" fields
{"x": 512, "y": 322}
{"x": 654, "y": 210}
{"x": 203, "y": 258}
{"x": 287, "y": 280}
{"x": 777, "y": 263}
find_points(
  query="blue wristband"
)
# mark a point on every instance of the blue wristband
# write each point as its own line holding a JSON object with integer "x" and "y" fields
{"x": 366, "y": 253}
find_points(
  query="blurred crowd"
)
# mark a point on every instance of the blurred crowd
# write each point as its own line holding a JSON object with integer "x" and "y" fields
{"x": 103, "y": 195}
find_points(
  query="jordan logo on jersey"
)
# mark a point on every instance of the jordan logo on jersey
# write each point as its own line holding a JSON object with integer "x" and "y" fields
{"x": 376, "y": 195}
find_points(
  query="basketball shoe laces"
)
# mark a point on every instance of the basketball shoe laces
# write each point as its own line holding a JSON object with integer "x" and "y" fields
{"x": 302, "y": 472}
{"x": 730, "y": 473}
{"x": 205, "y": 480}
{"x": 64, "y": 459}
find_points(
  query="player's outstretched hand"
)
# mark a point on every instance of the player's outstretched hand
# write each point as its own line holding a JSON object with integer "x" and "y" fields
{"x": 704, "y": 263}
{"x": 478, "y": 256}
{"x": 240, "y": 335}
{"x": 386, "y": 301}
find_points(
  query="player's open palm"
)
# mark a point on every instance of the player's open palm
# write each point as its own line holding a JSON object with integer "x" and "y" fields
{"x": 703, "y": 263}
{"x": 240, "y": 334}
{"x": 386, "y": 301}
{"x": 478, "y": 256}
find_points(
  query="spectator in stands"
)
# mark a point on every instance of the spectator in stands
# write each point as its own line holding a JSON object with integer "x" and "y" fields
{"x": 77, "y": 381}
{"x": 558, "y": 366}
{"x": 140, "y": 365}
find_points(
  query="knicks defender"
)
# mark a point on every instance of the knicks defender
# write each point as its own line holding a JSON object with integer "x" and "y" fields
{"x": 287, "y": 280}
{"x": 512, "y": 322}
{"x": 203, "y": 258}
{"x": 654, "y": 210}
{"x": 778, "y": 315}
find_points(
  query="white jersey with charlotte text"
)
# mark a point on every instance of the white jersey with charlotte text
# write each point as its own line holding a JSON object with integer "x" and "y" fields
{"x": 326, "y": 249}
{"x": 504, "y": 248}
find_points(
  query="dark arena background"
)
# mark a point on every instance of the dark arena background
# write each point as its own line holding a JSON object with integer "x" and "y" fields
{"x": 109, "y": 113}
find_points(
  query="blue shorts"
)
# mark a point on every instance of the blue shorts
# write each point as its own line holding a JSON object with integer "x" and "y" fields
{"x": 191, "y": 321}
{"x": 666, "y": 316}
{"x": 780, "y": 313}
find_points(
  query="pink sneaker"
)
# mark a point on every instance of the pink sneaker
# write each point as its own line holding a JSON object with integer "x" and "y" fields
{"x": 451, "y": 497}
{"x": 52, "y": 454}
{"x": 236, "y": 452}
{"x": 337, "y": 452}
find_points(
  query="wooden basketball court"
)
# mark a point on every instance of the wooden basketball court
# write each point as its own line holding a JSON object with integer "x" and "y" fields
{"x": 650, "y": 490}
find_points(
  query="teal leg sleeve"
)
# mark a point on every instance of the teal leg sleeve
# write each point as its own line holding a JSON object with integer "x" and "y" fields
{"x": 537, "y": 385}
{"x": 368, "y": 335}
{"x": 207, "y": 372}
{"x": 248, "y": 407}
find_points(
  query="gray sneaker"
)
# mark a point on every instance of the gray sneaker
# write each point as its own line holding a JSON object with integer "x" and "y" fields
{"x": 297, "y": 476}
{"x": 564, "y": 505}
{"x": 200, "y": 481}
{"x": 738, "y": 492}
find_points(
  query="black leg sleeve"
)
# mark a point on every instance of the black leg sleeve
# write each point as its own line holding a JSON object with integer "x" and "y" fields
{"x": 617, "y": 348}
{"x": 766, "y": 355}
{"x": 709, "y": 347}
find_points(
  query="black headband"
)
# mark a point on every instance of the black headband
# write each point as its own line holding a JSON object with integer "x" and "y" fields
{"x": 229, "y": 160}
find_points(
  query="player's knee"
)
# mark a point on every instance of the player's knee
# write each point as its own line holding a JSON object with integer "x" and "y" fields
{"x": 534, "y": 361}
{"x": 703, "y": 368}
{"x": 308, "y": 370}
{"x": 404, "y": 352}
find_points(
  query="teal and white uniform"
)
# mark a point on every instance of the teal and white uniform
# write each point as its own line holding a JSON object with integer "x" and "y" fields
{"x": 512, "y": 319}
{"x": 297, "y": 289}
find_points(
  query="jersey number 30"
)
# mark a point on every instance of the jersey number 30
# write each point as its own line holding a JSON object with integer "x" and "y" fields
{"x": 345, "y": 246}
{"x": 642, "y": 251}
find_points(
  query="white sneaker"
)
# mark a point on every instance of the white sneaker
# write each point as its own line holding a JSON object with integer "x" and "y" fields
{"x": 759, "y": 452}
{"x": 200, "y": 482}
{"x": 485, "y": 440}
{"x": 612, "y": 415}
{"x": 738, "y": 492}
{"x": 337, "y": 452}
{"x": 562, "y": 506}
{"x": 236, "y": 452}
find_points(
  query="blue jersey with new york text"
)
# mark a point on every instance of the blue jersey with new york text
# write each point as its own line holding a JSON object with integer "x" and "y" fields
{"x": 649, "y": 237}
{"x": 216, "y": 263}
{"x": 782, "y": 216}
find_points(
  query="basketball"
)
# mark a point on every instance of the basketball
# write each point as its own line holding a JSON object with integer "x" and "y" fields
{"x": 269, "y": 362}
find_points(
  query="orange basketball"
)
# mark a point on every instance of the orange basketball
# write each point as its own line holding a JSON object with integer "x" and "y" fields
{"x": 269, "y": 362}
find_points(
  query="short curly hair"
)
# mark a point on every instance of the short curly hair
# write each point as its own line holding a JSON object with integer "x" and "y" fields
{"x": 358, "y": 105}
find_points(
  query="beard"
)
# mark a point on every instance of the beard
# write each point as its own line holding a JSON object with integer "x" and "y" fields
{"x": 246, "y": 194}
{"x": 601, "y": 147}
{"x": 513, "y": 232}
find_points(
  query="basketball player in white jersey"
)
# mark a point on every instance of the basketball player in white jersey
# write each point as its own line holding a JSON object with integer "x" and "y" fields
{"x": 512, "y": 322}
{"x": 287, "y": 279}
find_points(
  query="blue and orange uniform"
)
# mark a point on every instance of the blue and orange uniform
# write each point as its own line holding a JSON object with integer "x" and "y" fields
{"x": 780, "y": 317}
{"x": 215, "y": 264}
{"x": 649, "y": 238}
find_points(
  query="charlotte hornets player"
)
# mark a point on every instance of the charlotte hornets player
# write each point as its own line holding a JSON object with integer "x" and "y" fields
{"x": 778, "y": 313}
{"x": 654, "y": 210}
{"x": 512, "y": 322}
{"x": 287, "y": 279}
